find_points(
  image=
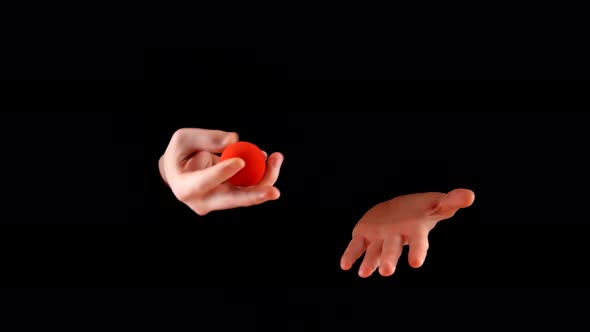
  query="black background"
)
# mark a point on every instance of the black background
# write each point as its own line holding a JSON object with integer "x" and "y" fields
{"x": 246, "y": 42}
{"x": 85, "y": 215}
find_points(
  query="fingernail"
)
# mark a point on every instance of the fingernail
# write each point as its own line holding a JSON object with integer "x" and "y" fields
{"x": 344, "y": 265}
{"x": 230, "y": 138}
{"x": 239, "y": 163}
{"x": 277, "y": 162}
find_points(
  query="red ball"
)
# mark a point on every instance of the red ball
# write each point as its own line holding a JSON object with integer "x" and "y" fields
{"x": 255, "y": 167}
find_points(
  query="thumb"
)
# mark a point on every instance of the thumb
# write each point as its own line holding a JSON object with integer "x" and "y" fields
{"x": 455, "y": 200}
{"x": 204, "y": 180}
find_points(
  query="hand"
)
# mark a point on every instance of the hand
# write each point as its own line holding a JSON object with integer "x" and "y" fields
{"x": 191, "y": 168}
{"x": 405, "y": 220}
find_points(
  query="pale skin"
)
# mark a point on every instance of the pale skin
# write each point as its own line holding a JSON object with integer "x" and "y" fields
{"x": 191, "y": 168}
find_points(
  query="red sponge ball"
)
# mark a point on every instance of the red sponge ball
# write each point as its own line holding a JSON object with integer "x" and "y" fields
{"x": 255, "y": 167}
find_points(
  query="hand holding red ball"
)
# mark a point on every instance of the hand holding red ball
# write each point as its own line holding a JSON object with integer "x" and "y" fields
{"x": 242, "y": 176}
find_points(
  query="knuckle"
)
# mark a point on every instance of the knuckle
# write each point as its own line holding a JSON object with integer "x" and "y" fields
{"x": 181, "y": 196}
{"x": 201, "y": 211}
{"x": 185, "y": 194}
{"x": 217, "y": 137}
{"x": 178, "y": 136}
{"x": 200, "y": 208}
{"x": 192, "y": 201}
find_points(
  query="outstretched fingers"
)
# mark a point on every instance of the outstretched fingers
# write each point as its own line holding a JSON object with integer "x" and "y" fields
{"x": 355, "y": 249}
{"x": 392, "y": 250}
{"x": 372, "y": 259}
